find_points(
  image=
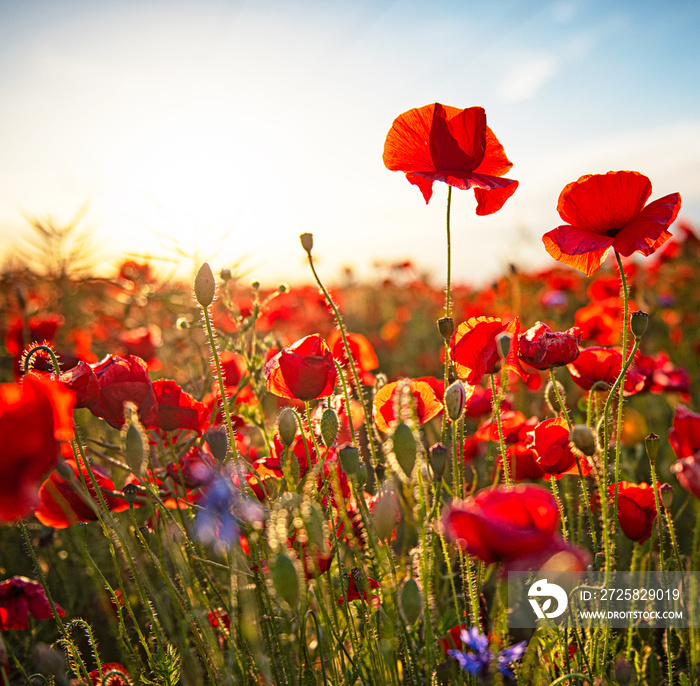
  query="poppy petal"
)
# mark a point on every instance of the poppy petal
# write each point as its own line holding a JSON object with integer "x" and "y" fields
{"x": 604, "y": 202}
{"x": 425, "y": 185}
{"x": 649, "y": 231}
{"x": 495, "y": 162}
{"x": 580, "y": 249}
{"x": 491, "y": 200}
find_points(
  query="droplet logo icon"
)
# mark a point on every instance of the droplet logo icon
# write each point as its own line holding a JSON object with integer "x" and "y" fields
{"x": 541, "y": 594}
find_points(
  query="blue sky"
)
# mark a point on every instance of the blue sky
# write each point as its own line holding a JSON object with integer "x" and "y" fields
{"x": 223, "y": 130}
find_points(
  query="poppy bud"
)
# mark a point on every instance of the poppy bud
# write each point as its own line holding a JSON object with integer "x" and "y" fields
{"x": 446, "y": 327}
{"x": 182, "y": 323}
{"x": 286, "y": 579}
{"x": 411, "y": 602}
{"x": 455, "y": 400}
{"x": 624, "y": 673}
{"x": 329, "y": 426}
{"x": 360, "y": 579}
{"x": 666, "y": 494}
{"x": 651, "y": 443}
{"x": 282, "y": 288}
{"x": 133, "y": 440}
{"x": 204, "y": 285}
{"x": 361, "y": 474}
{"x": 405, "y": 448}
{"x": 639, "y": 321}
{"x": 217, "y": 440}
{"x": 349, "y": 459}
{"x": 287, "y": 426}
{"x": 49, "y": 661}
{"x": 255, "y": 284}
{"x": 384, "y": 515}
{"x": 307, "y": 242}
{"x": 438, "y": 460}
{"x": 225, "y": 274}
{"x": 582, "y": 437}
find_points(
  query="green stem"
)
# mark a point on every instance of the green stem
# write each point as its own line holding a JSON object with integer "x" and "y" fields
{"x": 497, "y": 399}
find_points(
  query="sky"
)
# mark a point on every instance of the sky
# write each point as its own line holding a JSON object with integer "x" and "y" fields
{"x": 221, "y": 130}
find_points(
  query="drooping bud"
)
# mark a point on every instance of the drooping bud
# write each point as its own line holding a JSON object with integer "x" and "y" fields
{"x": 651, "y": 443}
{"x": 455, "y": 400}
{"x": 349, "y": 459}
{"x": 134, "y": 439}
{"x": 286, "y": 579}
{"x": 204, "y": 285}
{"x": 405, "y": 448}
{"x": 438, "y": 460}
{"x": 583, "y": 438}
{"x": 411, "y": 602}
{"x": 666, "y": 495}
{"x": 217, "y": 440}
{"x": 329, "y": 426}
{"x": 446, "y": 327}
{"x": 287, "y": 426}
{"x": 384, "y": 515}
{"x": 639, "y": 321}
{"x": 307, "y": 242}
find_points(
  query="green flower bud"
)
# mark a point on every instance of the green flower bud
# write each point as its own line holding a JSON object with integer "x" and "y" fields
{"x": 411, "y": 602}
{"x": 204, "y": 285}
{"x": 349, "y": 459}
{"x": 405, "y": 447}
{"x": 666, "y": 495}
{"x": 287, "y": 426}
{"x": 361, "y": 475}
{"x": 329, "y": 426}
{"x": 134, "y": 442}
{"x": 503, "y": 345}
{"x": 582, "y": 437}
{"x": 639, "y": 321}
{"x": 286, "y": 579}
{"x": 307, "y": 242}
{"x": 384, "y": 515}
{"x": 446, "y": 327}
{"x": 130, "y": 492}
{"x": 439, "y": 456}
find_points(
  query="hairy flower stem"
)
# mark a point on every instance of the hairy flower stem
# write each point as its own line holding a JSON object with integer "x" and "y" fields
{"x": 448, "y": 308}
{"x": 346, "y": 396}
{"x": 367, "y": 410}
{"x": 497, "y": 400}
{"x": 562, "y": 513}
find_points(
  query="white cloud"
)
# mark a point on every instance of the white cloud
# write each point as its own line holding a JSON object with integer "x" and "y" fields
{"x": 527, "y": 77}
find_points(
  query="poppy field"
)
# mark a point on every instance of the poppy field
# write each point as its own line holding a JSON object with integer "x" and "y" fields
{"x": 226, "y": 482}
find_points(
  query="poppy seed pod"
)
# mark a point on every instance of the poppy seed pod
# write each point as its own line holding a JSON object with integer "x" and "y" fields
{"x": 287, "y": 426}
{"x": 582, "y": 437}
{"x": 455, "y": 400}
{"x": 639, "y": 321}
{"x": 329, "y": 426}
{"x": 666, "y": 493}
{"x": 651, "y": 443}
{"x": 405, "y": 448}
{"x": 307, "y": 242}
{"x": 204, "y": 285}
{"x": 411, "y": 602}
{"x": 446, "y": 327}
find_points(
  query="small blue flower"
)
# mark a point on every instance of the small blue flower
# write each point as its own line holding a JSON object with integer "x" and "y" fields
{"x": 477, "y": 662}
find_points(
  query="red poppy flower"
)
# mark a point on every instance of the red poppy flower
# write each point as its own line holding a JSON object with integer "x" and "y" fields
{"x": 551, "y": 446}
{"x": 636, "y": 509}
{"x": 60, "y": 506}
{"x": 142, "y": 342}
{"x": 119, "y": 676}
{"x": 481, "y": 402}
{"x": 603, "y": 364}
{"x": 303, "y": 449}
{"x": 83, "y": 382}
{"x": 39, "y": 328}
{"x": 194, "y": 469}
{"x": 502, "y": 524}
{"x": 426, "y": 403}
{"x": 541, "y": 348}
{"x": 474, "y": 348}
{"x": 441, "y": 143}
{"x": 361, "y": 350}
{"x": 353, "y": 593}
{"x": 604, "y": 211}
{"x": 21, "y": 597}
{"x": 514, "y": 426}
{"x": 34, "y": 416}
{"x": 123, "y": 380}
{"x": 599, "y": 322}
{"x": 687, "y": 471}
{"x": 662, "y": 376}
{"x": 522, "y": 463}
{"x": 177, "y": 409}
{"x": 684, "y": 436}
{"x": 303, "y": 371}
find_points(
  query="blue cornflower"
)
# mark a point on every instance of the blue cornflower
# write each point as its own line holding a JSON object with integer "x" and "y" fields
{"x": 478, "y": 660}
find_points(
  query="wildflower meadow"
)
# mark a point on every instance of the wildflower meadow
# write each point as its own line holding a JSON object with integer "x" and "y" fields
{"x": 225, "y": 482}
